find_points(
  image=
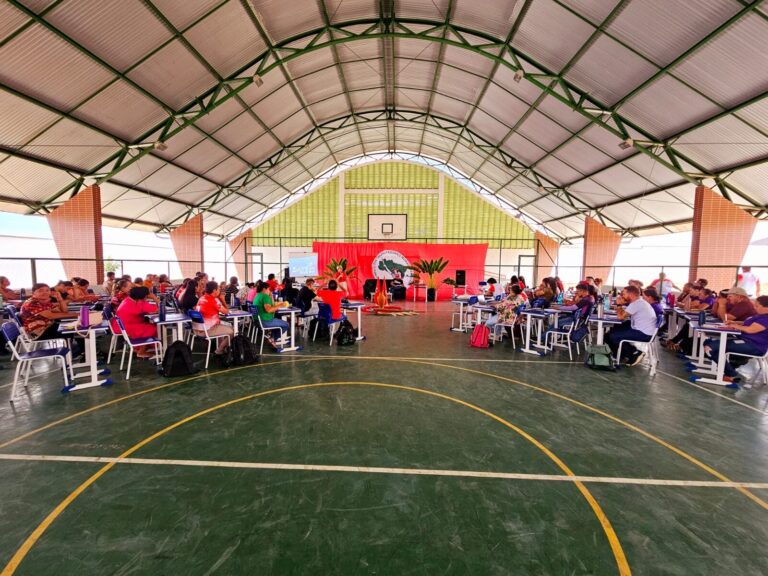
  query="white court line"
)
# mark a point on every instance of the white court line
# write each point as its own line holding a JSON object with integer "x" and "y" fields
{"x": 723, "y": 396}
{"x": 375, "y": 470}
{"x": 419, "y": 358}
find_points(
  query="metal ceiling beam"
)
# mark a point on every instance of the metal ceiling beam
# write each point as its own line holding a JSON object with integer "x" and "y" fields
{"x": 481, "y": 43}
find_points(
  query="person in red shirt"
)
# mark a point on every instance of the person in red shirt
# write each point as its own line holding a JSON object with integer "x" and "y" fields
{"x": 331, "y": 296}
{"x": 210, "y": 305}
{"x": 341, "y": 279}
{"x": 272, "y": 283}
{"x": 132, "y": 313}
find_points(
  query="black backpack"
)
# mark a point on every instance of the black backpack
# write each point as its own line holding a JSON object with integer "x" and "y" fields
{"x": 346, "y": 335}
{"x": 243, "y": 351}
{"x": 177, "y": 361}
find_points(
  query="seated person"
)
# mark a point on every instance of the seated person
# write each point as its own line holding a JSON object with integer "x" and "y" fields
{"x": 231, "y": 290}
{"x": 41, "y": 310}
{"x": 641, "y": 326}
{"x": 164, "y": 284}
{"x": 332, "y": 296}
{"x": 490, "y": 287}
{"x": 267, "y": 307}
{"x": 180, "y": 289}
{"x": 119, "y": 293}
{"x": 288, "y": 292}
{"x": 242, "y": 294}
{"x": 582, "y": 301}
{"x": 341, "y": 279}
{"x": 306, "y": 298}
{"x": 272, "y": 283}
{"x": 65, "y": 289}
{"x": 188, "y": 300}
{"x": 210, "y": 305}
{"x": 684, "y": 297}
{"x": 652, "y": 297}
{"x": 543, "y": 295}
{"x": 734, "y": 305}
{"x": 109, "y": 283}
{"x": 132, "y": 313}
{"x": 5, "y": 290}
{"x": 753, "y": 339}
{"x": 80, "y": 292}
{"x": 505, "y": 309}
{"x": 700, "y": 298}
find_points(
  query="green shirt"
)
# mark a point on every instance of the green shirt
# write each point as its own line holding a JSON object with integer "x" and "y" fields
{"x": 259, "y": 301}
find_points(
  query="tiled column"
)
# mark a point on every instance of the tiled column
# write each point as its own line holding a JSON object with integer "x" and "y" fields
{"x": 76, "y": 230}
{"x": 187, "y": 242}
{"x": 721, "y": 234}
{"x": 546, "y": 256}
{"x": 601, "y": 244}
{"x": 238, "y": 246}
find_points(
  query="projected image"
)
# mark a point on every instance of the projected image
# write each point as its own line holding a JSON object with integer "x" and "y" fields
{"x": 303, "y": 265}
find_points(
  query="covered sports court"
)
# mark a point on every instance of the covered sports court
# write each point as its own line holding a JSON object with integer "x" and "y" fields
{"x": 515, "y": 138}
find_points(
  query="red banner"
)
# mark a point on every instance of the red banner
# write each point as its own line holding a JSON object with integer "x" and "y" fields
{"x": 389, "y": 259}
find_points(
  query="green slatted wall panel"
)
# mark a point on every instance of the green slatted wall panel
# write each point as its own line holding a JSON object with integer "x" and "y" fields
{"x": 466, "y": 215}
{"x": 315, "y": 216}
{"x": 391, "y": 175}
{"x": 420, "y": 208}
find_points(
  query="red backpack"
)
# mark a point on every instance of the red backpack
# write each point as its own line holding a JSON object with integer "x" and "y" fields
{"x": 479, "y": 338}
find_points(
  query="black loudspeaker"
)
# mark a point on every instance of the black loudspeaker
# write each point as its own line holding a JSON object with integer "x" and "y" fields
{"x": 461, "y": 277}
{"x": 287, "y": 272}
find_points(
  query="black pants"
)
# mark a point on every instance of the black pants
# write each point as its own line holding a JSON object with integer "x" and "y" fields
{"x": 52, "y": 333}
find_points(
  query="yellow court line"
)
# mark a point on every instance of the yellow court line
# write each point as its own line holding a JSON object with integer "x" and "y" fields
{"x": 613, "y": 540}
{"x": 136, "y": 395}
{"x": 692, "y": 459}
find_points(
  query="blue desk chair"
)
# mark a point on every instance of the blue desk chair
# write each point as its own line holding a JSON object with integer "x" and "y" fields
{"x": 324, "y": 315}
{"x": 197, "y": 318}
{"x": 25, "y": 359}
{"x": 254, "y": 310}
{"x": 133, "y": 343}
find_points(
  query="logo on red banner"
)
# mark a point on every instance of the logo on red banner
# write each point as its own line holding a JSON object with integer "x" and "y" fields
{"x": 390, "y": 264}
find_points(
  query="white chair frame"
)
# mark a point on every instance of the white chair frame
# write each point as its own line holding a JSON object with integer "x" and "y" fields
{"x": 128, "y": 345}
{"x": 762, "y": 363}
{"x": 24, "y": 360}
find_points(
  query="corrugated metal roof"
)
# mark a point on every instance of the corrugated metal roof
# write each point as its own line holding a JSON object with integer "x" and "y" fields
{"x": 454, "y": 103}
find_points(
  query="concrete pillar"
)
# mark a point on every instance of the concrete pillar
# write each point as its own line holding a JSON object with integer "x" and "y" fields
{"x": 239, "y": 246}
{"x": 546, "y": 256}
{"x": 187, "y": 242}
{"x": 76, "y": 230}
{"x": 601, "y": 244}
{"x": 721, "y": 234}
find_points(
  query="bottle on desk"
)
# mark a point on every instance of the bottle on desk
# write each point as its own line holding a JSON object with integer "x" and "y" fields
{"x": 702, "y": 318}
{"x": 85, "y": 317}
{"x": 161, "y": 311}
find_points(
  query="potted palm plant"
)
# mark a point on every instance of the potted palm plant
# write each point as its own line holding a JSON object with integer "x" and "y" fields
{"x": 336, "y": 268}
{"x": 430, "y": 269}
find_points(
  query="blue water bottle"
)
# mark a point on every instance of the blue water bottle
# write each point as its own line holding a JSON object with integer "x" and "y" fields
{"x": 161, "y": 310}
{"x": 702, "y": 318}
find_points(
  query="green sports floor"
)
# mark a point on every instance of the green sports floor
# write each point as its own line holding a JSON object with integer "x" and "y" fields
{"x": 408, "y": 453}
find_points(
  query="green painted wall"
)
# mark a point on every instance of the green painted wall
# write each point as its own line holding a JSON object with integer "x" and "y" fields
{"x": 420, "y": 208}
{"x": 465, "y": 214}
{"x": 391, "y": 175}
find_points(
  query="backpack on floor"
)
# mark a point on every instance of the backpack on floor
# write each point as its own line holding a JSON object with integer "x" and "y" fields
{"x": 479, "y": 338}
{"x": 578, "y": 334}
{"x": 599, "y": 358}
{"x": 243, "y": 351}
{"x": 177, "y": 361}
{"x": 346, "y": 334}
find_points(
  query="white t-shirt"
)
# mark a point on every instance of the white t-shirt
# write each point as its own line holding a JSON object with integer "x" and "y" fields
{"x": 642, "y": 316}
{"x": 664, "y": 287}
{"x": 748, "y": 281}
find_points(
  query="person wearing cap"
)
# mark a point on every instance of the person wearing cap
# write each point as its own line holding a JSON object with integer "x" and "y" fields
{"x": 737, "y": 307}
